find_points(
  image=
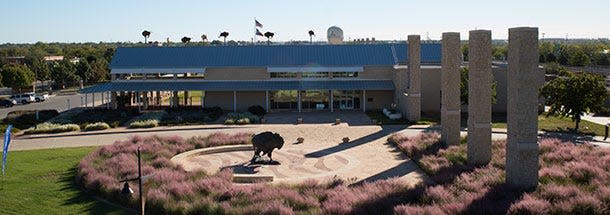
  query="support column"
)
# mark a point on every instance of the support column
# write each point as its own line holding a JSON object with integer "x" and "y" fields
{"x": 102, "y": 98}
{"x": 234, "y": 101}
{"x": 86, "y": 100}
{"x": 450, "y": 88}
{"x": 299, "y": 100}
{"x": 175, "y": 99}
{"x": 186, "y": 98}
{"x": 523, "y": 81}
{"x": 158, "y": 98}
{"x": 331, "y": 100}
{"x": 267, "y": 101}
{"x": 145, "y": 100}
{"x": 414, "y": 91}
{"x": 363, "y": 100}
{"x": 92, "y": 100}
{"x": 479, "y": 97}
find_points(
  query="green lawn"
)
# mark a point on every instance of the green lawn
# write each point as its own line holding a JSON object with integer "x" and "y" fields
{"x": 561, "y": 124}
{"x": 42, "y": 182}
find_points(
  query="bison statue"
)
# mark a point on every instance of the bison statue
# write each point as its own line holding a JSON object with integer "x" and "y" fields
{"x": 265, "y": 142}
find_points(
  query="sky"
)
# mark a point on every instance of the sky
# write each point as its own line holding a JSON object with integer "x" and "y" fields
{"x": 30, "y": 21}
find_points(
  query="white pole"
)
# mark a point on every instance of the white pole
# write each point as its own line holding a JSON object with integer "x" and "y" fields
{"x": 93, "y": 100}
{"x": 69, "y": 106}
{"x": 81, "y": 101}
{"x": 86, "y": 101}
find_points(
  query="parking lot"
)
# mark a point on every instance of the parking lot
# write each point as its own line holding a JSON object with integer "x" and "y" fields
{"x": 59, "y": 103}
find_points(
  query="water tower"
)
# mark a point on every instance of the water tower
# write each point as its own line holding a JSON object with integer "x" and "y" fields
{"x": 335, "y": 35}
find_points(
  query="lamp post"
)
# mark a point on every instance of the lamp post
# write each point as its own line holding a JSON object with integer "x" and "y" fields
{"x": 128, "y": 191}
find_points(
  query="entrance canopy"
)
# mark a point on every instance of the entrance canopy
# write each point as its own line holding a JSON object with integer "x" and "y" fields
{"x": 259, "y": 85}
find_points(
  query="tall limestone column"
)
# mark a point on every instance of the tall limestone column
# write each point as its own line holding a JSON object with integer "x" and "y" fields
{"x": 414, "y": 91}
{"x": 450, "y": 88}
{"x": 479, "y": 97}
{"x": 524, "y": 80}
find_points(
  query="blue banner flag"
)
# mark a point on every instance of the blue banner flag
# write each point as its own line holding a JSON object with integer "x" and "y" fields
{"x": 7, "y": 140}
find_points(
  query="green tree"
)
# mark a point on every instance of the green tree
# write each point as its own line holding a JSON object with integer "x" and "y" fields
{"x": 64, "y": 74}
{"x": 84, "y": 71}
{"x": 464, "y": 87}
{"x": 578, "y": 58}
{"x": 41, "y": 69}
{"x": 17, "y": 76}
{"x": 99, "y": 71}
{"x": 575, "y": 94}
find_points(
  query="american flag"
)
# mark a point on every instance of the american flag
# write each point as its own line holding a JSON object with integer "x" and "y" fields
{"x": 258, "y": 24}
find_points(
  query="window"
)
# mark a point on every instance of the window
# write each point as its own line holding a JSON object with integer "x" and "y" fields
{"x": 345, "y": 74}
{"x": 283, "y": 75}
{"x": 314, "y": 75}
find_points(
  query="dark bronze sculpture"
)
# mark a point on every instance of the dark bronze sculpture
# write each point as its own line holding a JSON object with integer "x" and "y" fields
{"x": 265, "y": 142}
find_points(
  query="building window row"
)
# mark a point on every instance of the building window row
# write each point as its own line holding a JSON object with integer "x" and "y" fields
{"x": 315, "y": 75}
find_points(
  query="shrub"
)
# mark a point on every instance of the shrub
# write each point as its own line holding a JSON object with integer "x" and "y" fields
{"x": 147, "y": 120}
{"x": 150, "y": 123}
{"x": 182, "y": 116}
{"x": 46, "y": 128}
{"x": 24, "y": 119}
{"x": 229, "y": 122}
{"x": 243, "y": 118}
{"x": 97, "y": 126}
{"x": 257, "y": 110}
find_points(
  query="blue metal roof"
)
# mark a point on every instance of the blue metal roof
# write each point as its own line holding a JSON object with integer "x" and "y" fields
{"x": 241, "y": 85}
{"x": 270, "y": 56}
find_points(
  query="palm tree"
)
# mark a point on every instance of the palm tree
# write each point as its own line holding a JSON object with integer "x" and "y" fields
{"x": 269, "y": 35}
{"x": 146, "y": 35}
{"x": 225, "y": 35}
{"x": 311, "y": 34}
{"x": 186, "y": 40}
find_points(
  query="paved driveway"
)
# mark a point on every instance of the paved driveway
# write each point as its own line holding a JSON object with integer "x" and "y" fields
{"x": 59, "y": 103}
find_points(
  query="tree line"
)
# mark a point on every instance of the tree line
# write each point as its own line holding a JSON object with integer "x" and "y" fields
{"x": 86, "y": 62}
{"x": 582, "y": 53}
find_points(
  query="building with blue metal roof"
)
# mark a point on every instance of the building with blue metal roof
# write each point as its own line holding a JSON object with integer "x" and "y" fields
{"x": 276, "y": 77}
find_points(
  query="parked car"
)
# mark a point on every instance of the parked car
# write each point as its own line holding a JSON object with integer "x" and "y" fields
{"x": 39, "y": 97}
{"x": 23, "y": 98}
{"x": 7, "y": 102}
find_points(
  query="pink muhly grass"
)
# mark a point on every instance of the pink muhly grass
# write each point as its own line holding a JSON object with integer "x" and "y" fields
{"x": 166, "y": 175}
{"x": 530, "y": 205}
{"x": 581, "y": 204}
{"x": 432, "y": 164}
{"x": 410, "y": 209}
{"x": 552, "y": 173}
{"x": 180, "y": 189}
{"x": 582, "y": 172}
{"x": 437, "y": 195}
{"x": 418, "y": 145}
{"x": 555, "y": 193}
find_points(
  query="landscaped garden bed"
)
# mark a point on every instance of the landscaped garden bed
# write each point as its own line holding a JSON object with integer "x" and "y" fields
{"x": 573, "y": 179}
{"x": 190, "y": 116}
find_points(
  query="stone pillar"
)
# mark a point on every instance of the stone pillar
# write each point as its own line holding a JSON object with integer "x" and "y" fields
{"x": 523, "y": 81}
{"x": 479, "y": 97}
{"x": 450, "y": 88}
{"x": 414, "y": 91}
